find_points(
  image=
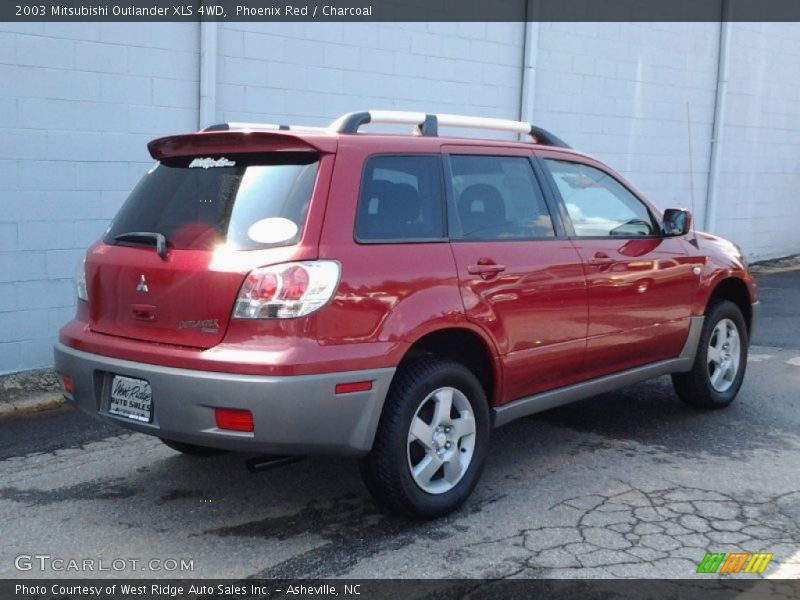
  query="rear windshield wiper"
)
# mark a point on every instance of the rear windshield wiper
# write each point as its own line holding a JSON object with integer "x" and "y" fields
{"x": 146, "y": 237}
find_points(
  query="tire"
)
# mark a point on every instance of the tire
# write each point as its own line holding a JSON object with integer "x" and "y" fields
{"x": 455, "y": 440}
{"x": 720, "y": 362}
{"x": 191, "y": 449}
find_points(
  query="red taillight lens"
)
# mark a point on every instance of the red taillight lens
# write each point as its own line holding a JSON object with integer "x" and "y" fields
{"x": 295, "y": 283}
{"x": 234, "y": 419}
{"x": 264, "y": 287}
{"x": 66, "y": 382}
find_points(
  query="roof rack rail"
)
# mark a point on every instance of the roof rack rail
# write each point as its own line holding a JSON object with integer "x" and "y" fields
{"x": 264, "y": 127}
{"x": 428, "y": 124}
{"x": 546, "y": 138}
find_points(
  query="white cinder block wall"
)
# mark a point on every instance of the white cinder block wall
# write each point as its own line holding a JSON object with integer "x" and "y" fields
{"x": 79, "y": 102}
{"x": 630, "y": 93}
{"x": 312, "y": 73}
{"x": 759, "y": 183}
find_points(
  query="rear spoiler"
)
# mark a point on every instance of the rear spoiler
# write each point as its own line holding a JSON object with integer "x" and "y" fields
{"x": 237, "y": 142}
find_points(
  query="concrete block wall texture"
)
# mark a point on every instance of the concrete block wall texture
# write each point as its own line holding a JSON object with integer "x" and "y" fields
{"x": 312, "y": 73}
{"x": 79, "y": 102}
{"x": 759, "y": 182}
{"x": 630, "y": 94}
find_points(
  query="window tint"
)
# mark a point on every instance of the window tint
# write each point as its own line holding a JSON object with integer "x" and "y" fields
{"x": 253, "y": 202}
{"x": 598, "y": 205}
{"x": 401, "y": 199}
{"x": 497, "y": 198}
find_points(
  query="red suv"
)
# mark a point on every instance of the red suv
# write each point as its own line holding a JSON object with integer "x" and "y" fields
{"x": 294, "y": 291}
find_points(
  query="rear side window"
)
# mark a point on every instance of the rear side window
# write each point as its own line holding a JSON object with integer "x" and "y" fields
{"x": 497, "y": 198}
{"x": 245, "y": 202}
{"x": 401, "y": 200}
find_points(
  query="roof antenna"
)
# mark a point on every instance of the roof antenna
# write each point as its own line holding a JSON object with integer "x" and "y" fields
{"x": 691, "y": 161}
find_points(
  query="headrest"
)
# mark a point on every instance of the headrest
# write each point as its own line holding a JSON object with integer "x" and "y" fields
{"x": 482, "y": 200}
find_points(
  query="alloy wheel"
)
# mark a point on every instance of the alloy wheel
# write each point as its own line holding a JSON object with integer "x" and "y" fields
{"x": 723, "y": 355}
{"x": 441, "y": 440}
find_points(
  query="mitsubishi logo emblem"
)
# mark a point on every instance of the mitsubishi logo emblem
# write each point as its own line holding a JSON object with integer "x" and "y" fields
{"x": 142, "y": 287}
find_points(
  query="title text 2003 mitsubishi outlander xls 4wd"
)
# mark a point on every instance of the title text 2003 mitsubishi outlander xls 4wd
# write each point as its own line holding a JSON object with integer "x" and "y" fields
{"x": 294, "y": 291}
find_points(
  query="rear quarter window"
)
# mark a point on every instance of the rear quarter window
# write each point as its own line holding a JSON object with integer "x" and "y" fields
{"x": 401, "y": 200}
{"x": 251, "y": 202}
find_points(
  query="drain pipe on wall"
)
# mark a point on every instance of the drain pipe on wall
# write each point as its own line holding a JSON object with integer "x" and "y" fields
{"x": 208, "y": 73}
{"x": 529, "y": 55}
{"x": 710, "y": 216}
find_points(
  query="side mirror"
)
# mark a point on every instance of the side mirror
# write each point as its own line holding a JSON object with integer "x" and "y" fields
{"x": 677, "y": 221}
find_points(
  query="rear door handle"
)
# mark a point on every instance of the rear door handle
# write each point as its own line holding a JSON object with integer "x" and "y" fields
{"x": 485, "y": 271}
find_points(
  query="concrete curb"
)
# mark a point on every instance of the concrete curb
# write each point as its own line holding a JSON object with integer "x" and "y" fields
{"x": 773, "y": 271}
{"x": 777, "y": 265}
{"x": 29, "y": 392}
{"x": 31, "y": 404}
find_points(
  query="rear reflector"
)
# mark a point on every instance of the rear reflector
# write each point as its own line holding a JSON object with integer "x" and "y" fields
{"x": 234, "y": 419}
{"x": 356, "y": 386}
{"x": 66, "y": 381}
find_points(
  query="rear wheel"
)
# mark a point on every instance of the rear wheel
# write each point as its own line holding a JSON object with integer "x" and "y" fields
{"x": 719, "y": 365}
{"x": 431, "y": 441}
{"x": 191, "y": 449}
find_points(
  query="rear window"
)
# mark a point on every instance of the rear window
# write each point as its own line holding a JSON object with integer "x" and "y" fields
{"x": 401, "y": 200}
{"x": 246, "y": 202}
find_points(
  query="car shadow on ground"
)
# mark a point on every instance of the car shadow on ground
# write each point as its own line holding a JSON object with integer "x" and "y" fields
{"x": 323, "y": 498}
{"x": 650, "y": 414}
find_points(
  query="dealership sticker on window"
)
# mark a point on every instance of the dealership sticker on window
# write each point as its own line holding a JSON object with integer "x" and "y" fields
{"x": 272, "y": 231}
{"x": 207, "y": 163}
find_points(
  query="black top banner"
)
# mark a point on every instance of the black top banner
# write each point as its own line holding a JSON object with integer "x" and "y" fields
{"x": 400, "y": 10}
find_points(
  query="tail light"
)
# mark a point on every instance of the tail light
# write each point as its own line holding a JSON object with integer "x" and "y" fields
{"x": 80, "y": 280}
{"x": 287, "y": 291}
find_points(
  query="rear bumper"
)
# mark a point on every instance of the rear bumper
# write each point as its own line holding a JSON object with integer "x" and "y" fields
{"x": 292, "y": 415}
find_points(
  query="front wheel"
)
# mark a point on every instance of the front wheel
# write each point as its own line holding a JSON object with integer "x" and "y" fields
{"x": 720, "y": 361}
{"x": 431, "y": 441}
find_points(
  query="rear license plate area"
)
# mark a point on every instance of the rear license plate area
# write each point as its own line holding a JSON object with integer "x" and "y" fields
{"x": 131, "y": 398}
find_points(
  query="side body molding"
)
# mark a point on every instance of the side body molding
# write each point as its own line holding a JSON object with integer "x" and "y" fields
{"x": 585, "y": 389}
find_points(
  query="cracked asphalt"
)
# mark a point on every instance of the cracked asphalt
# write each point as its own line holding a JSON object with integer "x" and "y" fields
{"x": 626, "y": 484}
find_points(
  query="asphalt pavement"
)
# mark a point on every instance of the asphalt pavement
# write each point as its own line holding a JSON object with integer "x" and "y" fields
{"x": 626, "y": 484}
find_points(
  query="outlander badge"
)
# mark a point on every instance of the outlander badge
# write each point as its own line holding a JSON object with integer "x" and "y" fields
{"x": 142, "y": 287}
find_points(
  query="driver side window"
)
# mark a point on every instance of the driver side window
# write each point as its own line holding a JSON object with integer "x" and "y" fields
{"x": 597, "y": 204}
